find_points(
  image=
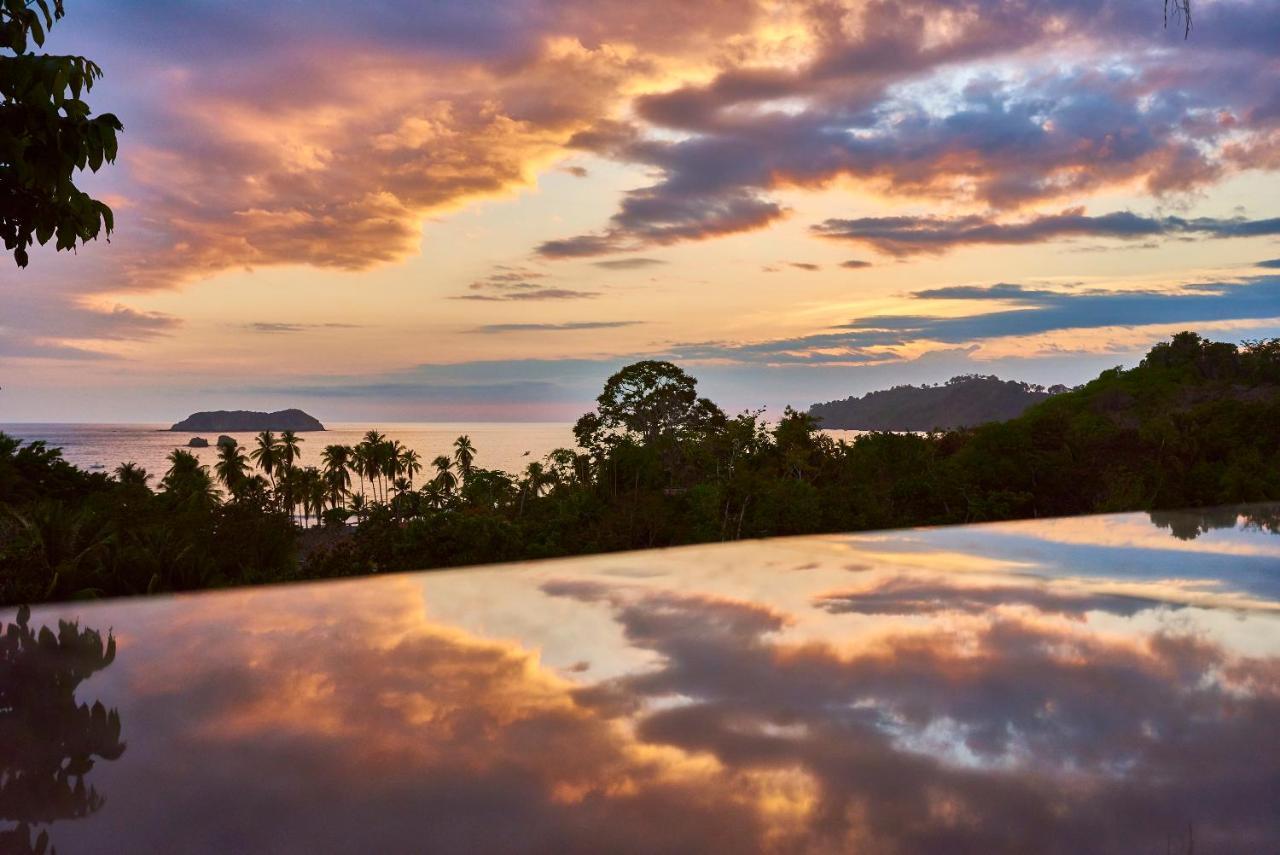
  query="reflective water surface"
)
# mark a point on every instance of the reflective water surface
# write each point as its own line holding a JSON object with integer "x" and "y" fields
{"x": 1095, "y": 684}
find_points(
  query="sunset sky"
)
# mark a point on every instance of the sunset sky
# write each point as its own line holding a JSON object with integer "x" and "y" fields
{"x": 479, "y": 209}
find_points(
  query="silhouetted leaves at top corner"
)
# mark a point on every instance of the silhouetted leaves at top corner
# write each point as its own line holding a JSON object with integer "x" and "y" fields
{"x": 46, "y": 135}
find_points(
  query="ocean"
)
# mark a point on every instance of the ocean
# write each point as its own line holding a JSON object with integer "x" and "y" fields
{"x": 103, "y": 447}
{"x": 508, "y": 446}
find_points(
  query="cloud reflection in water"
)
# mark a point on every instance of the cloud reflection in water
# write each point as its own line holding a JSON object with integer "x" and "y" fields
{"x": 751, "y": 697}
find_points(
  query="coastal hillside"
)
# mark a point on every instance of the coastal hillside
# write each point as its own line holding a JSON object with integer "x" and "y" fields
{"x": 965, "y": 401}
{"x": 248, "y": 420}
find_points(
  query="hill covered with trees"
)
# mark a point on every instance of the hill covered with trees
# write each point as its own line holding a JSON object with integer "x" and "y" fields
{"x": 965, "y": 401}
{"x": 1193, "y": 425}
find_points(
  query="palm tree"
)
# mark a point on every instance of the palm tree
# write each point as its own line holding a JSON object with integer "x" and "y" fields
{"x": 410, "y": 464}
{"x": 389, "y": 458}
{"x": 232, "y": 467}
{"x": 403, "y": 502}
{"x": 359, "y": 463}
{"x": 464, "y": 453}
{"x": 289, "y": 453}
{"x": 434, "y": 494}
{"x": 267, "y": 454}
{"x": 372, "y": 454}
{"x": 309, "y": 486}
{"x": 373, "y": 459}
{"x": 318, "y": 491}
{"x": 289, "y": 450}
{"x": 132, "y": 474}
{"x": 445, "y": 478}
{"x": 188, "y": 480}
{"x": 358, "y": 506}
{"x": 536, "y": 478}
{"x": 254, "y": 490}
{"x": 337, "y": 471}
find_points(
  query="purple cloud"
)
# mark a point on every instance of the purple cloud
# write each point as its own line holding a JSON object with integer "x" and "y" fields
{"x": 903, "y": 236}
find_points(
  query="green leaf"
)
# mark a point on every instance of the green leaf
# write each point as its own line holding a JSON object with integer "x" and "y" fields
{"x": 37, "y": 31}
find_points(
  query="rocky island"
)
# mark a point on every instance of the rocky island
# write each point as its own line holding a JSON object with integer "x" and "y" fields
{"x": 247, "y": 420}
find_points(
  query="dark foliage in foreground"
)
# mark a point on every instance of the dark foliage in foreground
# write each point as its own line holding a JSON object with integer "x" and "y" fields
{"x": 47, "y": 135}
{"x": 1195, "y": 424}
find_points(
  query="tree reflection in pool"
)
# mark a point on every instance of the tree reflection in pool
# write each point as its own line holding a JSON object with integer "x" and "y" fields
{"x": 48, "y": 741}
{"x": 1090, "y": 684}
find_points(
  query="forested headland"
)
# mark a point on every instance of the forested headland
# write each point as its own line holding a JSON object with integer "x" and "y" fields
{"x": 965, "y": 401}
{"x": 1194, "y": 424}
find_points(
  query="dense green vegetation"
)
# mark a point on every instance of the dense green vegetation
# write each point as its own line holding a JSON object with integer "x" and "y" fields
{"x": 1195, "y": 424}
{"x": 966, "y": 401}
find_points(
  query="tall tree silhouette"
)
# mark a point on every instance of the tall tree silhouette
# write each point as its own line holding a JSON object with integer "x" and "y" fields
{"x": 232, "y": 467}
{"x": 644, "y": 402}
{"x": 464, "y": 454}
{"x": 188, "y": 481}
{"x": 267, "y": 454}
{"x": 336, "y": 460}
{"x": 445, "y": 480}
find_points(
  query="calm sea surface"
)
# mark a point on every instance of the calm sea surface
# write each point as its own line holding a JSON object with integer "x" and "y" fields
{"x": 508, "y": 446}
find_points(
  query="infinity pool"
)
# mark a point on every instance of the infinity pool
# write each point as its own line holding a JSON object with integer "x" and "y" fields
{"x": 1075, "y": 685}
